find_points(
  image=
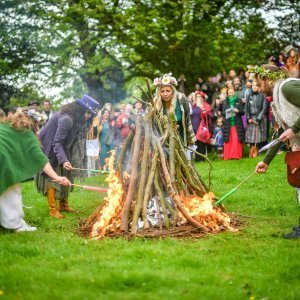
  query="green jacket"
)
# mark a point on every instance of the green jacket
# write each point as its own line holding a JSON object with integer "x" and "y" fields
{"x": 21, "y": 156}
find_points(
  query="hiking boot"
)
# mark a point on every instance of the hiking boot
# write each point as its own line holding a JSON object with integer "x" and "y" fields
{"x": 295, "y": 234}
{"x": 53, "y": 210}
{"x": 64, "y": 206}
{"x": 25, "y": 227}
{"x": 297, "y": 227}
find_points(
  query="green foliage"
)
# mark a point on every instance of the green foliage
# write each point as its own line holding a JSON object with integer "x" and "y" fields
{"x": 104, "y": 44}
{"x": 266, "y": 73}
{"x": 254, "y": 263}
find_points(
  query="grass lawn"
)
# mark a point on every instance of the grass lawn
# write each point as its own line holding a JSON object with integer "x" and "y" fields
{"x": 254, "y": 263}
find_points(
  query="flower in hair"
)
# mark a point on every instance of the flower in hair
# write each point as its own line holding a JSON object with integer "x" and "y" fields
{"x": 37, "y": 115}
{"x": 166, "y": 79}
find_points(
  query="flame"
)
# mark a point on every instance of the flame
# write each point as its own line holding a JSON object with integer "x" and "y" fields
{"x": 109, "y": 216}
{"x": 205, "y": 212}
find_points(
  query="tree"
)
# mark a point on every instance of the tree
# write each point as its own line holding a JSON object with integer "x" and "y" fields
{"x": 97, "y": 46}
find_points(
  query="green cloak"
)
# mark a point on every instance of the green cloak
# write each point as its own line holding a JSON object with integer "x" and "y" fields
{"x": 21, "y": 156}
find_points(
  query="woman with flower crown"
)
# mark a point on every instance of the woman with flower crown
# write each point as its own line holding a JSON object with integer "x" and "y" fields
{"x": 169, "y": 101}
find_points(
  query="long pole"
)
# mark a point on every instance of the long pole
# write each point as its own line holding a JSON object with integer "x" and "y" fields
{"x": 92, "y": 170}
{"x": 234, "y": 189}
{"x": 91, "y": 188}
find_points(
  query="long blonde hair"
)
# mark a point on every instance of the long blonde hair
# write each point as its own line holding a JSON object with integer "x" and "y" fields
{"x": 158, "y": 101}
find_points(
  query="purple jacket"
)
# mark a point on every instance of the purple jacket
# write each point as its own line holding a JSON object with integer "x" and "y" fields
{"x": 57, "y": 138}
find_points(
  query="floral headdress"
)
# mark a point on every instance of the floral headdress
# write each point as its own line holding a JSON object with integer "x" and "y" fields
{"x": 34, "y": 114}
{"x": 167, "y": 79}
{"x": 203, "y": 95}
{"x": 263, "y": 72}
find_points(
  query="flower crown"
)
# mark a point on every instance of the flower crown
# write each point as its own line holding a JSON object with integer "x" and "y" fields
{"x": 167, "y": 79}
{"x": 34, "y": 114}
{"x": 272, "y": 75}
{"x": 202, "y": 94}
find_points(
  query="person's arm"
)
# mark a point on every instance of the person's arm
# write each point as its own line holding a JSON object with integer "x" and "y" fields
{"x": 52, "y": 174}
{"x": 262, "y": 166}
{"x": 263, "y": 108}
{"x": 296, "y": 127}
{"x": 190, "y": 134}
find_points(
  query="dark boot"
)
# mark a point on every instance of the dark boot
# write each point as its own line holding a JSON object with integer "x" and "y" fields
{"x": 53, "y": 211}
{"x": 295, "y": 234}
{"x": 297, "y": 226}
{"x": 64, "y": 206}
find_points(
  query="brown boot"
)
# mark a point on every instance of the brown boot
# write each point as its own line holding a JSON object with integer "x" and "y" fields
{"x": 64, "y": 206}
{"x": 53, "y": 211}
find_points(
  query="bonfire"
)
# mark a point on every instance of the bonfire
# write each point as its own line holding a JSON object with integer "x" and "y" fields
{"x": 154, "y": 189}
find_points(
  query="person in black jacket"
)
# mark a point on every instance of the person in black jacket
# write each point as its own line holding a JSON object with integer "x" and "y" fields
{"x": 255, "y": 109}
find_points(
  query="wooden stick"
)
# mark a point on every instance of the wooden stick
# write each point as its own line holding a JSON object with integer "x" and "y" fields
{"x": 162, "y": 200}
{"x": 140, "y": 100}
{"x": 134, "y": 174}
{"x": 148, "y": 188}
{"x": 176, "y": 199}
{"x": 92, "y": 170}
{"x": 125, "y": 146}
{"x": 150, "y": 92}
{"x": 191, "y": 169}
{"x": 172, "y": 146}
{"x": 91, "y": 188}
{"x": 144, "y": 93}
{"x": 143, "y": 172}
{"x": 158, "y": 213}
{"x": 188, "y": 175}
{"x": 165, "y": 170}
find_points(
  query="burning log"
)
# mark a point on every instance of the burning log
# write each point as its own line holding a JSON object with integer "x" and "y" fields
{"x": 162, "y": 190}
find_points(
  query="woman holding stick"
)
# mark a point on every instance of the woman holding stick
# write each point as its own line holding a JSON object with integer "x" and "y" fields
{"x": 18, "y": 137}
{"x": 63, "y": 141}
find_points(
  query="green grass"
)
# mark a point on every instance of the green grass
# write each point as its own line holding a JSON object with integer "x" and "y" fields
{"x": 255, "y": 263}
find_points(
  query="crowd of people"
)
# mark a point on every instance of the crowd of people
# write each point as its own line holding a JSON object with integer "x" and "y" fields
{"x": 223, "y": 113}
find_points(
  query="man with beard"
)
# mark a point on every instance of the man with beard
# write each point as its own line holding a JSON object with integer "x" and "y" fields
{"x": 286, "y": 110}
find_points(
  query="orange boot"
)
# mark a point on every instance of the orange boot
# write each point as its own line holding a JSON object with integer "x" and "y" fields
{"x": 53, "y": 211}
{"x": 64, "y": 206}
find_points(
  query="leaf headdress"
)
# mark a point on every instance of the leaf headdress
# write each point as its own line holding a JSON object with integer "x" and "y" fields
{"x": 265, "y": 72}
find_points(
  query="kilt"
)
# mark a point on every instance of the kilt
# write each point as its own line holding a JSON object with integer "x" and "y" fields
{"x": 257, "y": 133}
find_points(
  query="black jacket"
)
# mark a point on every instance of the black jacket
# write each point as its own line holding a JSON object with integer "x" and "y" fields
{"x": 238, "y": 120}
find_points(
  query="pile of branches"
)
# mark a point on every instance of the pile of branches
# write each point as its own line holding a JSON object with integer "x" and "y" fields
{"x": 153, "y": 167}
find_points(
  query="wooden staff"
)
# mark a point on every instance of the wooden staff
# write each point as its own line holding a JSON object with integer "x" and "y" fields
{"x": 91, "y": 188}
{"x": 91, "y": 170}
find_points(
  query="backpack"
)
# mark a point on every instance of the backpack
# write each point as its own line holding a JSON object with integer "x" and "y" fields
{"x": 292, "y": 160}
{"x": 203, "y": 134}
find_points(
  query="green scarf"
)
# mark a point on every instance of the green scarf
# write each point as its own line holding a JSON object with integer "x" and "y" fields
{"x": 232, "y": 102}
